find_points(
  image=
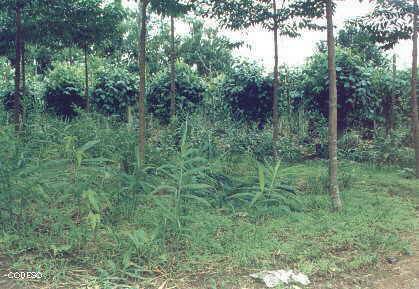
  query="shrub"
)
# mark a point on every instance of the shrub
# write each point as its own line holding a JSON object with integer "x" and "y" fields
{"x": 384, "y": 85}
{"x": 64, "y": 89}
{"x": 29, "y": 100}
{"x": 389, "y": 150}
{"x": 248, "y": 93}
{"x": 6, "y": 72}
{"x": 115, "y": 90}
{"x": 357, "y": 105}
{"x": 189, "y": 91}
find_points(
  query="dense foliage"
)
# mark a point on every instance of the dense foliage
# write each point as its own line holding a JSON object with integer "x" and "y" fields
{"x": 189, "y": 91}
{"x": 64, "y": 90}
{"x": 115, "y": 90}
{"x": 248, "y": 93}
{"x": 357, "y": 105}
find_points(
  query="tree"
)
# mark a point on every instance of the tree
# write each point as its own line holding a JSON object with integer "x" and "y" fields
{"x": 173, "y": 9}
{"x": 286, "y": 20}
{"x": 333, "y": 161}
{"x": 172, "y": 68}
{"x": 12, "y": 17}
{"x": 205, "y": 48}
{"x": 389, "y": 22}
{"x": 52, "y": 23}
{"x": 90, "y": 23}
{"x": 20, "y": 24}
{"x": 17, "y": 104}
{"x": 415, "y": 117}
{"x": 142, "y": 28}
{"x": 362, "y": 43}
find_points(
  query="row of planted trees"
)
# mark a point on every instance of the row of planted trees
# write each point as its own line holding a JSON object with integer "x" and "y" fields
{"x": 89, "y": 24}
{"x": 388, "y": 23}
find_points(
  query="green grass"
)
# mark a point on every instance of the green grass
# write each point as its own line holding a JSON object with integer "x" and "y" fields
{"x": 75, "y": 206}
{"x": 310, "y": 239}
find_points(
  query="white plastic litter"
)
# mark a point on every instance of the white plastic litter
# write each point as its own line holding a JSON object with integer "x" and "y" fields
{"x": 274, "y": 278}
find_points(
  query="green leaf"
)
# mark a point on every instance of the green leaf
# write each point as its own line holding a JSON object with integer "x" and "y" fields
{"x": 88, "y": 145}
{"x": 198, "y": 199}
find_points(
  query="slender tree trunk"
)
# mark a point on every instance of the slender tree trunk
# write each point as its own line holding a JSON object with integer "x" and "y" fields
{"x": 393, "y": 96}
{"x": 172, "y": 68}
{"x": 389, "y": 102}
{"x": 276, "y": 82}
{"x": 86, "y": 78}
{"x": 17, "y": 103}
{"x": 22, "y": 65}
{"x": 415, "y": 117}
{"x": 142, "y": 22}
{"x": 333, "y": 160}
{"x": 71, "y": 56}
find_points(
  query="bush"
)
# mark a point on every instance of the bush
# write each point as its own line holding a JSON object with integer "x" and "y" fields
{"x": 189, "y": 91}
{"x": 357, "y": 105}
{"x": 29, "y": 101}
{"x": 248, "y": 93}
{"x": 115, "y": 90}
{"x": 6, "y": 72}
{"x": 64, "y": 90}
{"x": 384, "y": 85}
{"x": 393, "y": 149}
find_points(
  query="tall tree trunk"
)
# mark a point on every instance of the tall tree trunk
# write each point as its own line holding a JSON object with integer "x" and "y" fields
{"x": 71, "y": 56}
{"x": 17, "y": 103}
{"x": 86, "y": 78}
{"x": 276, "y": 82}
{"x": 172, "y": 68}
{"x": 415, "y": 117}
{"x": 333, "y": 160}
{"x": 142, "y": 22}
{"x": 22, "y": 66}
{"x": 393, "y": 96}
{"x": 389, "y": 102}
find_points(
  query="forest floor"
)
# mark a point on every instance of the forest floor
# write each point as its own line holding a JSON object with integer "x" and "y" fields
{"x": 364, "y": 247}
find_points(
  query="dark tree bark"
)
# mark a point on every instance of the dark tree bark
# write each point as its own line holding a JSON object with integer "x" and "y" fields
{"x": 22, "y": 65}
{"x": 276, "y": 82}
{"x": 17, "y": 102}
{"x": 172, "y": 68}
{"x": 415, "y": 117}
{"x": 333, "y": 160}
{"x": 86, "y": 78}
{"x": 142, "y": 22}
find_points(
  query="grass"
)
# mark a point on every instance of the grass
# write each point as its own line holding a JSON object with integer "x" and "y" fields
{"x": 216, "y": 242}
{"x": 81, "y": 212}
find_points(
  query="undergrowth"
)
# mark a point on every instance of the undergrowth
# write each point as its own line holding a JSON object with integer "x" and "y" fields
{"x": 76, "y": 206}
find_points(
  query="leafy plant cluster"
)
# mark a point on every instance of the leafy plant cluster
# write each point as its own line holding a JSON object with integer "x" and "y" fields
{"x": 392, "y": 149}
{"x": 64, "y": 90}
{"x": 248, "y": 93}
{"x": 116, "y": 89}
{"x": 190, "y": 88}
{"x": 357, "y": 104}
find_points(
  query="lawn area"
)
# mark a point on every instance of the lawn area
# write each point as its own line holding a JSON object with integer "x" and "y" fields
{"x": 220, "y": 247}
